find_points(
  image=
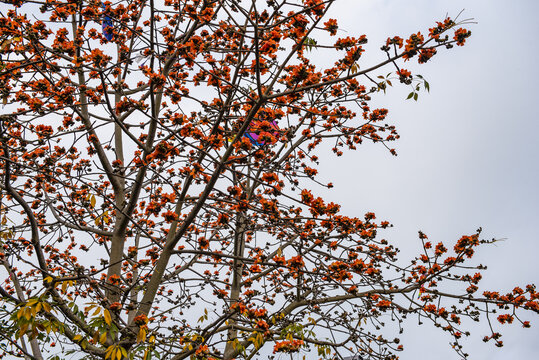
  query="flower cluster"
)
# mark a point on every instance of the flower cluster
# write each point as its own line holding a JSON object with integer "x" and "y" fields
{"x": 288, "y": 346}
{"x": 440, "y": 27}
{"x": 461, "y": 35}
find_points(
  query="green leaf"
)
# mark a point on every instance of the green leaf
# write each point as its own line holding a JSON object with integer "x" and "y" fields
{"x": 415, "y": 96}
{"x": 427, "y": 86}
{"x": 410, "y": 95}
{"x": 309, "y": 43}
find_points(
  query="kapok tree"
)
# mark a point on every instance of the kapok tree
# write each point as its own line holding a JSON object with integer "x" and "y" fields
{"x": 159, "y": 186}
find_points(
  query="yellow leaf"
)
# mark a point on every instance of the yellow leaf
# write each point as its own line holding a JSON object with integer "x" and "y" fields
{"x": 124, "y": 352}
{"x": 28, "y": 313}
{"x": 141, "y": 335}
{"x": 48, "y": 279}
{"x": 106, "y": 314}
{"x": 96, "y": 312}
{"x": 118, "y": 354}
{"x": 23, "y": 329}
{"x": 93, "y": 201}
{"x": 47, "y": 307}
{"x": 103, "y": 338}
{"x": 106, "y": 217}
{"x": 31, "y": 302}
{"x": 77, "y": 337}
{"x": 64, "y": 286}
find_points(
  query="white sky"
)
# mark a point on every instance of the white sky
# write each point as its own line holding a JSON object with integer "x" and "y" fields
{"x": 467, "y": 153}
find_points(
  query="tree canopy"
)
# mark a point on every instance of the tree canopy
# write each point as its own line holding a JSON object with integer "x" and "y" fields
{"x": 160, "y": 186}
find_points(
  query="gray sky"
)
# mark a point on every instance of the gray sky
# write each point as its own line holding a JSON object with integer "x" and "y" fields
{"x": 467, "y": 153}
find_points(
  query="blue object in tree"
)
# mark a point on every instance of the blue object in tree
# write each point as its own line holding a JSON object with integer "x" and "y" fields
{"x": 253, "y": 139}
{"x": 107, "y": 25}
{"x": 254, "y": 136}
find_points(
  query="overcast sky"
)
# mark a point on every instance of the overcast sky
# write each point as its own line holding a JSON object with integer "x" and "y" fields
{"x": 467, "y": 153}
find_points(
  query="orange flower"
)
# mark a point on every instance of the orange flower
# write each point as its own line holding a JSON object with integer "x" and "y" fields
{"x": 461, "y": 35}
{"x": 287, "y": 346}
{"x": 331, "y": 26}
